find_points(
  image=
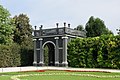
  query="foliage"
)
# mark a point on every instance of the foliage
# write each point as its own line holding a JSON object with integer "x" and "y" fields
{"x": 26, "y": 55}
{"x": 9, "y": 55}
{"x": 102, "y": 52}
{"x": 46, "y": 51}
{"x": 23, "y": 31}
{"x": 79, "y": 27}
{"x": 6, "y": 26}
{"x": 96, "y": 27}
{"x": 23, "y": 37}
{"x": 19, "y": 30}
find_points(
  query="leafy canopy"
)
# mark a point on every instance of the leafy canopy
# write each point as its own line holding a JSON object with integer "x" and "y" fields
{"x": 79, "y": 27}
{"x": 6, "y": 26}
{"x": 96, "y": 27}
{"x": 23, "y": 31}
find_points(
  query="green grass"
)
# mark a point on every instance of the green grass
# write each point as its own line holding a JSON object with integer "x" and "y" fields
{"x": 60, "y": 75}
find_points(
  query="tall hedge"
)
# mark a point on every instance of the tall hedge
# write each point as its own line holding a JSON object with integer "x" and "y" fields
{"x": 26, "y": 56}
{"x": 10, "y": 55}
{"x": 97, "y": 52}
{"x": 15, "y": 55}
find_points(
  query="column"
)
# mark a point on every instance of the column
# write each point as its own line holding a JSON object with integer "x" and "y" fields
{"x": 35, "y": 54}
{"x": 65, "y": 63}
{"x": 57, "y": 52}
{"x": 41, "y": 63}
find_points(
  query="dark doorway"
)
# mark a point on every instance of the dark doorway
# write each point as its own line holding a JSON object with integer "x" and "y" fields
{"x": 49, "y": 54}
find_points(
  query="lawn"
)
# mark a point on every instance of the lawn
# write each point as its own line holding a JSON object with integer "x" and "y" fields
{"x": 59, "y": 75}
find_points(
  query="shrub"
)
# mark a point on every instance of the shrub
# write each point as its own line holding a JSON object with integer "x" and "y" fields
{"x": 9, "y": 55}
{"x": 102, "y": 52}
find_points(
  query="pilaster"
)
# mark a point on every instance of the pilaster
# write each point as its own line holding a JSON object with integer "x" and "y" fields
{"x": 57, "y": 52}
{"x": 65, "y": 63}
{"x": 41, "y": 62}
{"x": 35, "y": 54}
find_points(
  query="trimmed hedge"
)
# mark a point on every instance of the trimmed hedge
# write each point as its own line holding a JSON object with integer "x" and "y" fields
{"x": 15, "y": 55}
{"x": 9, "y": 55}
{"x": 26, "y": 56}
{"x": 97, "y": 52}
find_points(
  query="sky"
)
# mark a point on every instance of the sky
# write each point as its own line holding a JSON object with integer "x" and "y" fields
{"x": 75, "y": 12}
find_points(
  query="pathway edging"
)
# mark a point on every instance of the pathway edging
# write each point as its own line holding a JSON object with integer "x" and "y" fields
{"x": 32, "y": 68}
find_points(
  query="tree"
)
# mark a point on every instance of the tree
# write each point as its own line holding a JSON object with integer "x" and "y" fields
{"x": 96, "y": 27}
{"x": 6, "y": 26}
{"x": 23, "y": 31}
{"x": 23, "y": 36}
{"x": 79, "y": 27}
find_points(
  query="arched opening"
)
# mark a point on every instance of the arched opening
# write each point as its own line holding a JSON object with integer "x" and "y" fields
{"x": 49, "y": 54}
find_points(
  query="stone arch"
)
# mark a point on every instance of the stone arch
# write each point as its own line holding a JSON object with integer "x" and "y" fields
{"x": 51, "y": 53}
{"x": 48, "y": 42}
